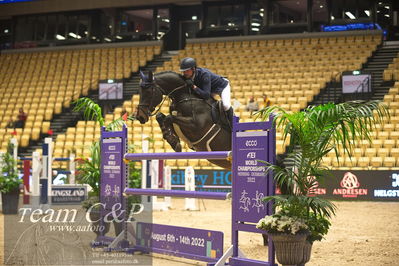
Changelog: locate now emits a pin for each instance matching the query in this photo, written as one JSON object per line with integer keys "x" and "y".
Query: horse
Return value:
{"x": 200, "y": 123}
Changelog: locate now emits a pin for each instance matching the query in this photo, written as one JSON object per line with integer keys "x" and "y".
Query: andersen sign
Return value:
{"x": 340, "y": 184}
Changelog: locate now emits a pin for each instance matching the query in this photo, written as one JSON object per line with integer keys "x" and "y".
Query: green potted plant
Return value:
{"x": 311, "y": 134}
{"x": 9, "y": 182}
{"x": 89, "y": 169}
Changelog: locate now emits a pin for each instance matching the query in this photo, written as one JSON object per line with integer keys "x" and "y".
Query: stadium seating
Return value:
{"x": 42, "y": 83}
{"x": 291, "y": 72}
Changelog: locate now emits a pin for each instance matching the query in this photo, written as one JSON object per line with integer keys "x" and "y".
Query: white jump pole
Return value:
{"x": 189, "y": 185}
{"x": 72, "y": 168}
{"x": 167, "y": 184}
{"x": 36, "y": 170}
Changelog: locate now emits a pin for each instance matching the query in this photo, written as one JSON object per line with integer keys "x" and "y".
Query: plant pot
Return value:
{"x": 10, "y": 201}
{"x": 289, "y": 248}
{"x": 307, "y": 250}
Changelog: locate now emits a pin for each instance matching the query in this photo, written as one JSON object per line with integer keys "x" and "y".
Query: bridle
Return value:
{"x": 163, "y": 92}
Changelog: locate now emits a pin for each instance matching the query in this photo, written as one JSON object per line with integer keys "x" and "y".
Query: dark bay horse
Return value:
{"x": 190, "y": 117}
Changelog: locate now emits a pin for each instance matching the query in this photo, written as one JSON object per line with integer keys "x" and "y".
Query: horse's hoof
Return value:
{"x": 177, "y": 148}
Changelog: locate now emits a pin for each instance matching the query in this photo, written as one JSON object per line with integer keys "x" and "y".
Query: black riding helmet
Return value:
{"x": 187, "y": 63}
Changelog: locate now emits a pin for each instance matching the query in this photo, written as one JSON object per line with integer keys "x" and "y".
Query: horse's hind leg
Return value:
{"x": 168, "y": 132}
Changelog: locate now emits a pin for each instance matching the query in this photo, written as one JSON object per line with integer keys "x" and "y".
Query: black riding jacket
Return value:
{"x": 208, "y": 82}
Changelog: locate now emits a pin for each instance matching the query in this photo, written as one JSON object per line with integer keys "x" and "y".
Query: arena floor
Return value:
{"x": 362, "y": 233}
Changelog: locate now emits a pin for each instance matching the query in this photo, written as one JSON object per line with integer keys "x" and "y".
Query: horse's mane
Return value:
{"x": 169, "y": 75}
{"x": 169, "y": 72}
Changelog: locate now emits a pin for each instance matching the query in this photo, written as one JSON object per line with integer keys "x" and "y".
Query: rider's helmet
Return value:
{"x": 187, "y": 63}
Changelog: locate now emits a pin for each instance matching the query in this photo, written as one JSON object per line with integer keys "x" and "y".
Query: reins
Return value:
{"x": 164, "y": 98}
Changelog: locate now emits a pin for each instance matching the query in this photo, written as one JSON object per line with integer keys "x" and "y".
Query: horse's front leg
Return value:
{"x": 165, "y": 123}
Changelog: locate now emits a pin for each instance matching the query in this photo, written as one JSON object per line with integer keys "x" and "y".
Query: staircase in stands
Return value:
{"x": 376, "y": 64}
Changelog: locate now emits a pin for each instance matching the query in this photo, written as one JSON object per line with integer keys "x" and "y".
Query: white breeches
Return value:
{"x": 225, "y": 95}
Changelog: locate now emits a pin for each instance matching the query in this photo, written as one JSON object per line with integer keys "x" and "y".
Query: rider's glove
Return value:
{"x": 190, "y": 83}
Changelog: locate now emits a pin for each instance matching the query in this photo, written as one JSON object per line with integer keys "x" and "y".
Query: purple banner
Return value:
{"x": 185, "y": 242}
{"x": 251, "y": 182}
{"x": 111, "y": 172}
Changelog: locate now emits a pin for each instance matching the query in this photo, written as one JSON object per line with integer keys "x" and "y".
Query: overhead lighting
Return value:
{"x": 230, "y": 24}
{"x": 387, "y": 15}
{"x": 118, "y": 37}
{"x": 158, "y": 16}
{"x": 110, "y": 81}
{"x": 213, "y": 25}
{"x": 107, "y": 39}
{"x": 255, "y": 24}
{"x": 387, "y": 7}
{"x": 255, "y": 29}
{"x": 94, "y": 37}
{"x": 59, "y": 37}
{"x": 261, "y": 14}
{"x": 332, "y": 17}
{"x": 321, "y": 6}
{"x": 261, "y": 10}
{"x": 73, "y": 35}
{"x": 350, "y": 15}
{"x": 194, "y": 17}
{"x": 86, "y": 32}
{"x": 291, "y": 21}
{"x": 166, "y": 20}
{"x": 6, "y": 31}
{"x": 367, "y": 12}
{"x": 110, "y": 26}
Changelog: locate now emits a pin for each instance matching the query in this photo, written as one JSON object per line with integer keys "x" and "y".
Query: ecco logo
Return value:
{"x": 251, "y": 143}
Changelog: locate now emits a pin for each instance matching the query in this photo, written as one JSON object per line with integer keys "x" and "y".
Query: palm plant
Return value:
{"x": 89, "y": 169}
{"x": 312, "y": 133}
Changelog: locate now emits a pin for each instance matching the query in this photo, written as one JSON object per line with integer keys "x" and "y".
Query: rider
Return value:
{"x": 207, "y": 84}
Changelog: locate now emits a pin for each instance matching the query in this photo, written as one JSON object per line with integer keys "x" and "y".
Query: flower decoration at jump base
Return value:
{"x": 282, "y": 223}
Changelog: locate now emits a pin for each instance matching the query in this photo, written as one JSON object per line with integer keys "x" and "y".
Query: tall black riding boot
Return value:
{"x": 229, "y": 115}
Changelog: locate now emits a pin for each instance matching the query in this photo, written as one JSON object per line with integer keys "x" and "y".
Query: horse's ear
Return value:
{"x": 142, "y": 76}
{"x": 150, "y": 76}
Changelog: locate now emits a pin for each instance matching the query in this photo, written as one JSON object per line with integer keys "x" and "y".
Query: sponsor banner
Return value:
{"x": 339, "y": 184}
{"x": 68, "y": 194}
{"x": 363, "y": 185}
{"x": 205, "y": 180}
{"x": 180, "y": 241}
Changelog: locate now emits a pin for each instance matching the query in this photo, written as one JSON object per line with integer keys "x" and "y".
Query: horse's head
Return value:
{"x": 150, "y": 97}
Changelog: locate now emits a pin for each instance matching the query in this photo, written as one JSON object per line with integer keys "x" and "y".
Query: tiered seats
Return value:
{"x": 291, "y": 72}
{"x": 383, "y": 152}
{"x": 392, "y": 72}
{"x": 42, "y": 83}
